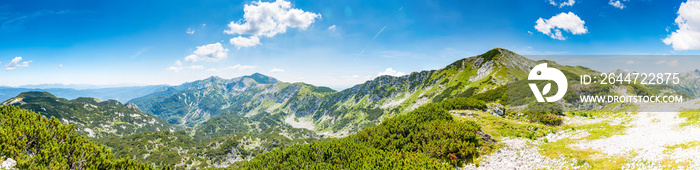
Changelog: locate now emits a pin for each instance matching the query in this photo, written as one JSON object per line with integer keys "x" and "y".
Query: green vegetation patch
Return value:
{"x": 545, "y": 113}
{"x": 692, "y": 118}
{"x": 36, "y": 142}
{"x": 341, "y": 154}
{"x": 594, "y": 159}
{"x": 686, "y": 145}
{"x": 499, "y": 127}
{"x": 425, "y": 138}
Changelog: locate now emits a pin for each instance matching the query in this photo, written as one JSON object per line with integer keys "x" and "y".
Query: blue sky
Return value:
{"x": 330, "y": 43}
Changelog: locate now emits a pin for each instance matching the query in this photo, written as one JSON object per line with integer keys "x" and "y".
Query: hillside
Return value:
{"x": 37, "y": 142}
{"x": 179, "y": 150}
{"x": 425, "y": 138}
{"x": 91, "y": 117}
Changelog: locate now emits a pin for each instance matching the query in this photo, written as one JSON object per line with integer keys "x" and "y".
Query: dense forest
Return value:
{"x": 36, "y": 142}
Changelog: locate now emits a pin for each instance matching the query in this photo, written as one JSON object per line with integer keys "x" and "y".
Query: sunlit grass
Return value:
{"x": 676, "y": 164}
{"x": 692, "y": 118}
{"x": 509, "y": 127}
{"x": 590, "y": 158}
{"x": 500, "y": 128}
{"x": 686, "y": 145}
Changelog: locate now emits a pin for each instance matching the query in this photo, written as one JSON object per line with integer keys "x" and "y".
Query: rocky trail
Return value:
{"x": 651, "y": 140}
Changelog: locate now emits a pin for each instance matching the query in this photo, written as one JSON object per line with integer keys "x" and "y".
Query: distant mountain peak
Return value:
{"x": 258, "y": 74}
{"x": 213, "y": 78}
{"x": 261, "y": 78}
{"x": 495, "y": 53}
{"x": 35, "y": 94}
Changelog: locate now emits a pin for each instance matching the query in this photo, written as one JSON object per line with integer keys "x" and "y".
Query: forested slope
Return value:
{"x": 36, "y": 142}
{"x": 426, "y": 138}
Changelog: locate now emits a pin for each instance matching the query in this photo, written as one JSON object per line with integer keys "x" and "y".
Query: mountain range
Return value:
{"x": 121, "y": 94}
{"x": 219, "y": 122}
{"x": 325, "y": 110}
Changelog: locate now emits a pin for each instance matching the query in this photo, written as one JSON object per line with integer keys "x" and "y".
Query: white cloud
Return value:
{"x": 15, "y": 64}
{"x": 350, "y": 80}
{"x": 269, "y": 19}
{"x": 60, "y": 65}
{"x": 245, "y": 42}
{"x": 390, "y": 71}
{"x": 179, "y": 67}
{"x": 195, "y": 67}
{"x": 190, "y": 31}
{"x": 240, "y": 67}
{"x": 174, "y": 69}
{"x": 191, "y": 58}
{"x": 687, "y": 37}
{"x": 630, "y": 62}
{"x": 563, "y": 3}
{"x": 672, "y": 63}
{"x": 617, "y": 4}
{"x": 568, "y": 22}
{"x": 332, "y": 28}
{"x": 211, "y": 52}
{"x": 277, "y": 70}
{"x": 212, "y": 70}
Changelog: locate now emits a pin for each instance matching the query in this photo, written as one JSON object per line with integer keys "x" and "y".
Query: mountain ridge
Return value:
{"x": 329, "y": 110}
{"x": 228, "y": 122}
{"x": 90, "y": 116}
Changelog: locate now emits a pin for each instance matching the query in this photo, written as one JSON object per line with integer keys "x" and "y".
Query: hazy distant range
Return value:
{"x": 122, "y": 94}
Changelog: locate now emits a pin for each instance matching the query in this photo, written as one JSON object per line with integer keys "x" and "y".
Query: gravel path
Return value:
{"x": 646, "y": 140}
{"x": 649, "y": 133}
{"x": 521, "y": 154}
